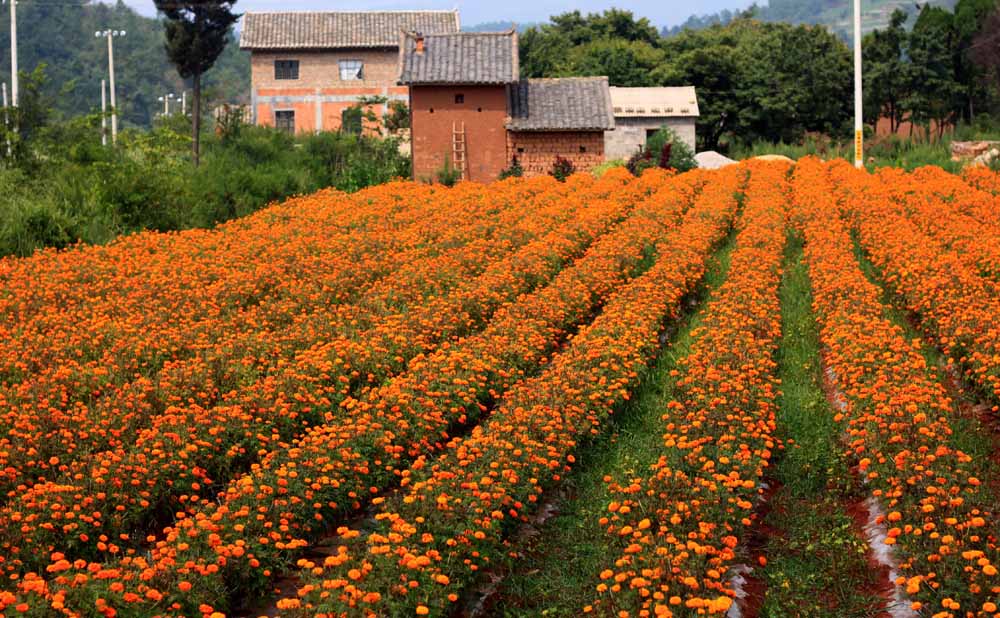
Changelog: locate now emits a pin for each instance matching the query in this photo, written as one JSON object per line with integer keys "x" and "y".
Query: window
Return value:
{"x": 583, "y": 149}
{"x": 351, "y": 70}
{"x": 351, "y": 120}
{"x": 286, "y": 69}
{"x": 285, "y": 121}
{"x": 459, "y": 99}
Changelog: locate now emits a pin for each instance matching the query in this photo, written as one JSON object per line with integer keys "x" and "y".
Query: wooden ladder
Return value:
{"x": 458, "y": 152}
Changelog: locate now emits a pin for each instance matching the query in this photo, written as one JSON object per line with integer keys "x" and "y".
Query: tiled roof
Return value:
{"x": 562, "y": 104}
{"x": 459, "y": 58}
{"x": 339, "y": 29}
{"x": 654, "y": 102}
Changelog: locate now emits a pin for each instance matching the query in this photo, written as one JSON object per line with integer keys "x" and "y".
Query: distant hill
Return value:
{"x": 834, "y": 14}
{"x": 61, "y": 35}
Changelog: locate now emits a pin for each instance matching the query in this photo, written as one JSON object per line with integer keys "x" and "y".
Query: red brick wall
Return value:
{"x": 484, "y": 113}
{"x": 537, "y": 151}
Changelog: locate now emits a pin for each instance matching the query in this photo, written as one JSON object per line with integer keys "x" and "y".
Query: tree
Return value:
{"x": 985, "y": 48}
{"x": 886, "y": 72}
{"x": 196, "y": 31}
{"x": 933, "y": 89}
{"x": 626, "y": 63}
{"x": 970, "y": 16}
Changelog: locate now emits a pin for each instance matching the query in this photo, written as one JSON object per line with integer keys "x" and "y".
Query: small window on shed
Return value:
{"x": 286, "y": 69}
{"x": 583, "y": 148}
{"x": 459, "y": 99}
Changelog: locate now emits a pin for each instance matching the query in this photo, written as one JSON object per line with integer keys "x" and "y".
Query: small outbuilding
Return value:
{"x": 471, "y": 110}
{"x": 640, "y": 112}
{"x": 560, "y": 117}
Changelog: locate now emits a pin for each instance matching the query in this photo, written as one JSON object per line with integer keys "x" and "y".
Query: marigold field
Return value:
{"x": 766, "y": 390}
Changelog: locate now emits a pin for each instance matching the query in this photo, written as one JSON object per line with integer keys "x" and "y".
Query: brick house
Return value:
{"x": 307, "y": 68}
{"x": 640, "y": 112}
{"x": 469, "y": 107}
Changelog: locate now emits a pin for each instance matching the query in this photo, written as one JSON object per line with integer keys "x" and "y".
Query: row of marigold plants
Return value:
{"x": 452, "y": 517}
{"x": 953, "y": 304}
{"x": 108, "y": 387}
{"x": 257, "y": 524}
{"x": 675, "y": 531}
{"x": 187, "y": 451}
{"x": 938, "y": 512}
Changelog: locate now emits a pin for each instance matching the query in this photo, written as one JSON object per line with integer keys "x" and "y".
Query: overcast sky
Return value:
{"x": 660, "y": 12}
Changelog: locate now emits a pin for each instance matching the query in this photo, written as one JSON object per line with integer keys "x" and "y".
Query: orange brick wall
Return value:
{"x": 484, "y": 113}
{"x": 537, "y": 151}
{"x": 319, "y": 84}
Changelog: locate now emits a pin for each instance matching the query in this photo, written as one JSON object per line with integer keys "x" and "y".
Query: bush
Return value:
{"x": 513, "y": 171}
{"x": 562, "y": 169}
{"x": 75, "y": 189}
{"x": 679, "y": 155}
{"x": 448, "y": 175}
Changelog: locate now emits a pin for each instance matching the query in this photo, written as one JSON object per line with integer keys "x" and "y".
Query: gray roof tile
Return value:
{"x": 339, "y": 29}
{"x": 561, "y": 104}
{"x": 459, "y": 58}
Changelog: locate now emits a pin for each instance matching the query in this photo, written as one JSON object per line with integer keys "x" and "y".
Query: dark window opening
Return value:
{"x": 459, "y": 99}
{"x": 285, "y": 121}
{"x": 520, "y": 150}
{"x": 432, "y": 110}
{"x": 583, "y": 149}
{"x": 650, "y": 133}
{"x": 286, "y": 69}
{"x": 350, "y": 120}
{"x": 479, "y": 109}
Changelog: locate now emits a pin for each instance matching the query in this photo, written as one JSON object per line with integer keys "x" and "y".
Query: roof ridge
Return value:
{"x": 460, "y": 33}
{"x": 346, "y": 12}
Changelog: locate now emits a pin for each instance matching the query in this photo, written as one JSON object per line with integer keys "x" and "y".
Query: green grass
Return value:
{"x": 557, "y": 574}
{"x": 879, "y": 152}
{"x": 816, "y": 561}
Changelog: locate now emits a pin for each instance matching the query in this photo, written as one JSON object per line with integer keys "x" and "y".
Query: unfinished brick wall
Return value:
{"x": 319, "y": 97}
{"x": 537, "y": 151}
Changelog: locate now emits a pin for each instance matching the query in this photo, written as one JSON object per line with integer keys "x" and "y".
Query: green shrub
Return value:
{"x": 514, "y": 170}
{"x": 562, "y": 169}
{"x": 681, "y": 157}
{"x": 448, "y": 175}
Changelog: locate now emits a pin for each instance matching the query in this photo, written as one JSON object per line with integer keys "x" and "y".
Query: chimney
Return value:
{"x": 418, "y": 38}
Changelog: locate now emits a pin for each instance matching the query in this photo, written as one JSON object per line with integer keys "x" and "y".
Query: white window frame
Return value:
{"x": 359, "y": 74}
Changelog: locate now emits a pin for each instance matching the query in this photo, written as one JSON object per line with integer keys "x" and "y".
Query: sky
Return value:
{"x": 660, "y": 12}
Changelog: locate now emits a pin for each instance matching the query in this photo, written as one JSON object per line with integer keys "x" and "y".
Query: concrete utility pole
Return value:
{"x": 111, "y": 71}
{"x": 859, "y": 131}
{"x": 104, "y": 113}
{"x": 13, "y": 51}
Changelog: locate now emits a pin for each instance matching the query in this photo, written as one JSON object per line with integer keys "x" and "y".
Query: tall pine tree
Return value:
{"x": 197, "y": 31}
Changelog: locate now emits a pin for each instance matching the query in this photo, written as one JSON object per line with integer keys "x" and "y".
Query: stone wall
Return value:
{"x": 537, "y": 151}
{"x": 630, "y": 134}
